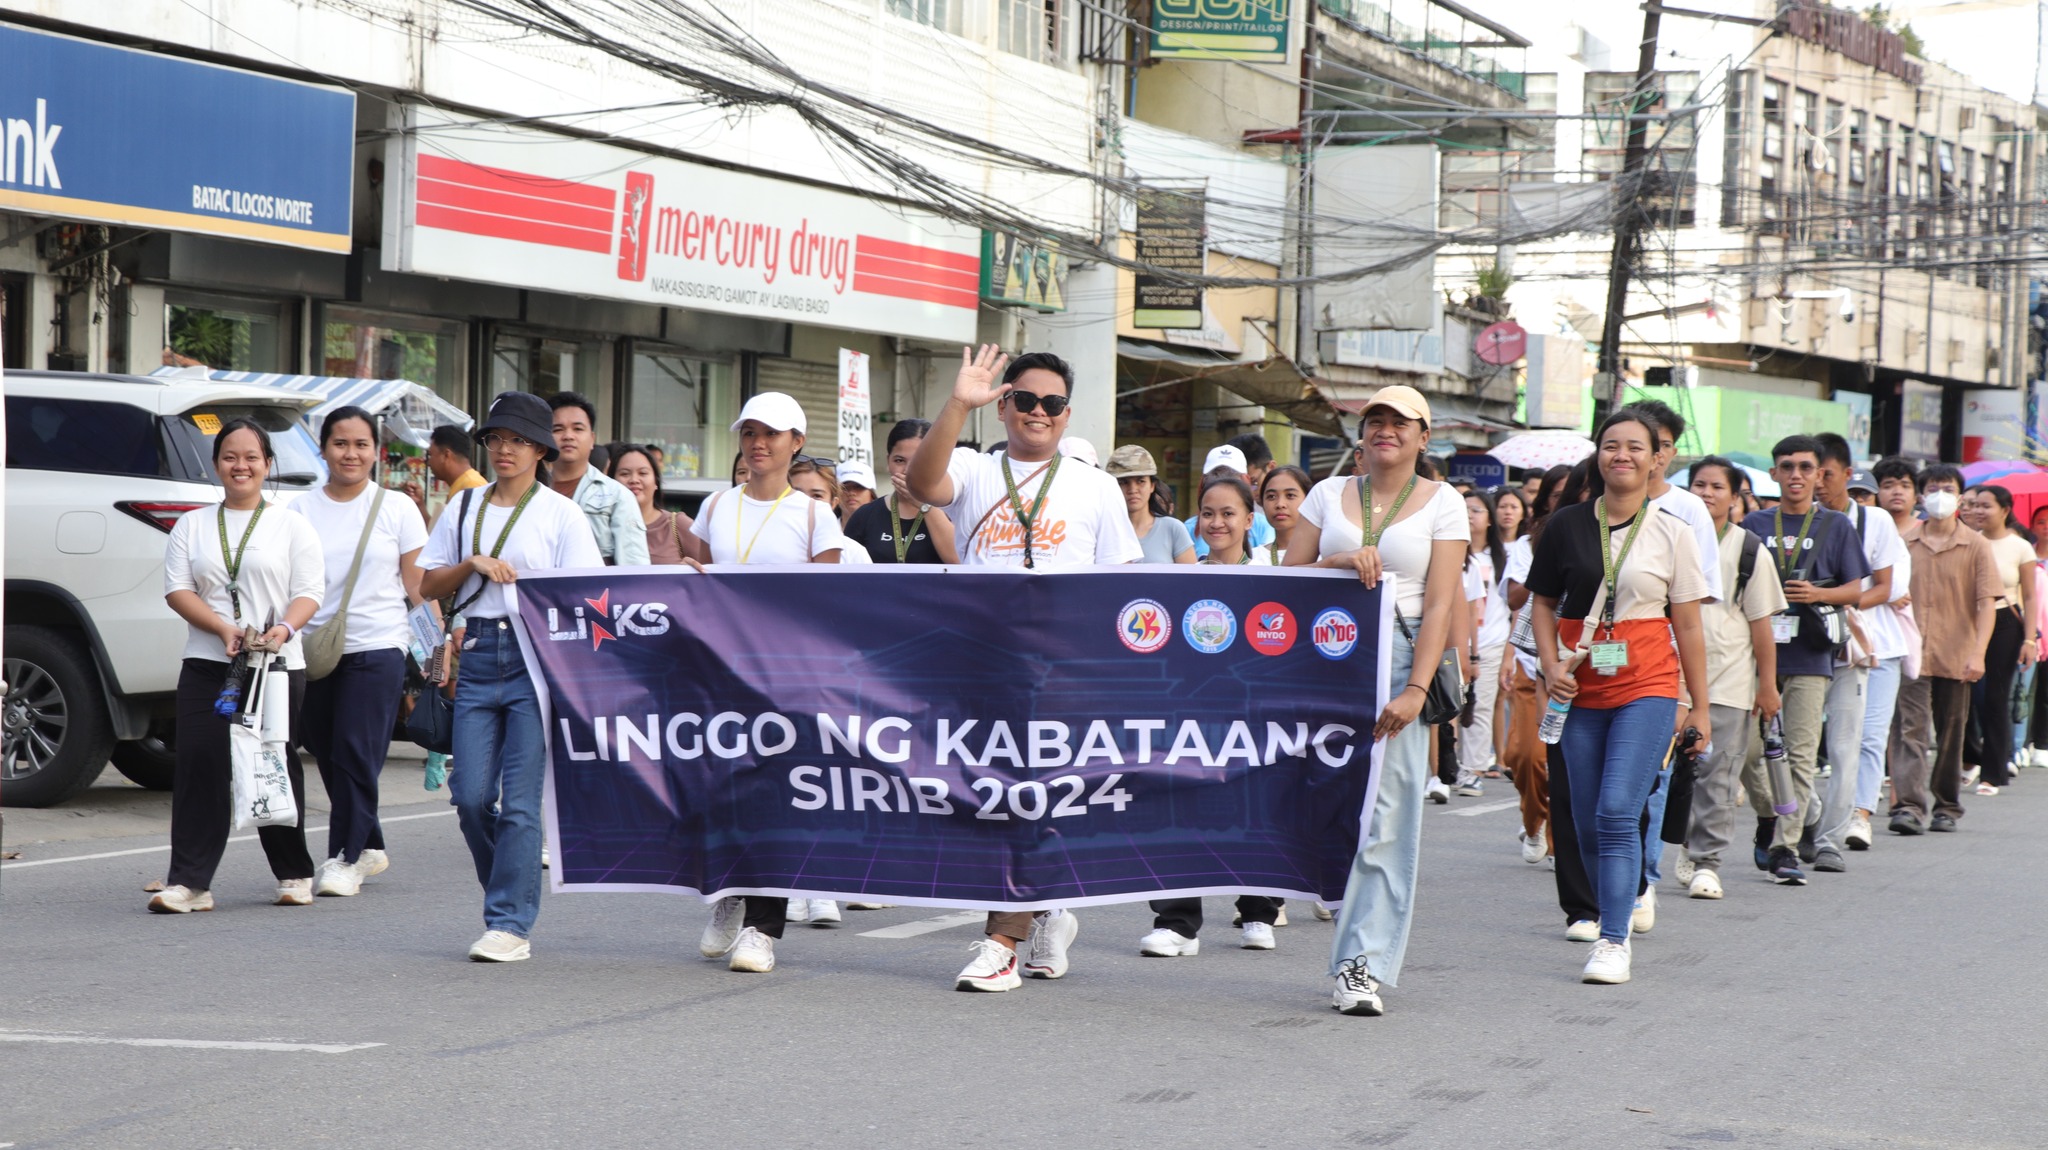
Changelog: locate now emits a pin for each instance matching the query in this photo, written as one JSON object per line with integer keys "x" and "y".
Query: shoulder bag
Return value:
{"x": 1446, "y": 694}
{"x": 431, "y": 725}
{"x": 323, "y": 645}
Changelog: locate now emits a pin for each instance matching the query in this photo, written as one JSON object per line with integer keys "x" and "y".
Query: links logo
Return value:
{"x": 624, "y": 619}
{"x": 1144, "y": 626}
{"x": 1209, "y": 626}
{"x": 1270, "y": 629}
{"x": 1335, "y": 633}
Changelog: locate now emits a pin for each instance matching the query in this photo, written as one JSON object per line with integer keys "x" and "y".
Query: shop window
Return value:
{"x": 941, "y": 14}
{"x": 545, "y": 366}
{"x": 365, "y": 345}
{"x": 1031, "y": 29}
{"x": 684, "y": 406}
{"x": 1774, "y": 120}
{"x": 230, "y": 335}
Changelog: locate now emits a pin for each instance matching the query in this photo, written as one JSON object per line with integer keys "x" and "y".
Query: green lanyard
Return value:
{"x": 233, "y": 559}
{"x": 904, "y": 538}
{"x": 1788, "y": 558}
{"x": 1369, "y": 537}
{"x": 1027, "y": 519}
{"x": 1611, "y": 563}
{"x": 476, "y": 543}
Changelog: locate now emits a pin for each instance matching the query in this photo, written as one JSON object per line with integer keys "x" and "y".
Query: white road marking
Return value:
{"x": 188, "y": 1043}
{"x": 1487, "y": 808}
{"x": 167, "y": 846}
{"x": 927, "y": 925}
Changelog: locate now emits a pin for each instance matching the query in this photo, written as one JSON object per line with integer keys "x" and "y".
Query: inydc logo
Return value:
{"x": 1335, "y": 633}
{"x": 1144, "y": 626}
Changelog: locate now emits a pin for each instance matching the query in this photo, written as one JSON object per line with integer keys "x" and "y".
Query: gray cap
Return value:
{"x": 1861, "y": 480}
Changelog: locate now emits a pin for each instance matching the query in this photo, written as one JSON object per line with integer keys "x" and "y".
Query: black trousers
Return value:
{"x": 347, "y": 724}
{"x": 1183, "y": 916}
{"x": 200, "y": 805}
{"x": 767, "y": 915}
{"x": 1447, "y": 753}
{"x": 1989, "y": 742}
{"x": 1574, "y": 887}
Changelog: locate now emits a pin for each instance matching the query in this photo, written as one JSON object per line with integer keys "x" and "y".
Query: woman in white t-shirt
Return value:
{"x": 1387, "y": 521}
{"x": 1489, "y": 643}
{"x": 766, "y": 522}
{"x": 229, "y": 569}
{"x": 350, "y": 711}
{"x": 485, "y": 539}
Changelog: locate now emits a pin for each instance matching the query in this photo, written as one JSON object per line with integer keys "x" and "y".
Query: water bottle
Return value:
{"x": 1553, "y": 721}
{"x": 1783, "y": 800}
{"x": 277, "y": 702}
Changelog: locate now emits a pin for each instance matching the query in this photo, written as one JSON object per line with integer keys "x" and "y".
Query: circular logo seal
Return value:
{"x": 1334, "y": 633}
{"x": 1144, "y": 626}
{"x": 1209, "y": 626}
{"x": 1270, "y": 629}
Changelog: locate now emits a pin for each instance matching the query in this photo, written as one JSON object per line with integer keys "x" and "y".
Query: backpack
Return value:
{"x": 1745, "y": 566}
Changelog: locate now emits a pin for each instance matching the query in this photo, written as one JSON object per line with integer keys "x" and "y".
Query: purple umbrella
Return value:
{"x": 1986, "y": 470}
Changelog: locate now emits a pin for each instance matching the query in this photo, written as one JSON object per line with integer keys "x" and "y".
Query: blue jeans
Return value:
{"x": 1880, "y": 700}
{"x": 1379, "y": 897}
{"x": 1653, "y": 829}
{"x": 499, "y": 765}
{"x": 1613, "y": 757}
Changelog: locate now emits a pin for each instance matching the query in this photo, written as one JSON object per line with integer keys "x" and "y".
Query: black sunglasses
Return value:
{"x": 1030, "y": 401}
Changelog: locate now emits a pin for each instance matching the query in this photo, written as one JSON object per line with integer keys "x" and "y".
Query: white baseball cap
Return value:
{"x": 1075, "y": 447}
{"x": 1228, "y": 457}
{"x": 854, "y": 471}
{"x": 778, "y": 412}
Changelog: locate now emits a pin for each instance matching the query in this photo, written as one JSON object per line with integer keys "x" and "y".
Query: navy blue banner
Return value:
{"x": 958, "y": 737}
{"x": 125, "y": 136}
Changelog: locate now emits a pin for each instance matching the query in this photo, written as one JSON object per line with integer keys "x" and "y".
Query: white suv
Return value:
{"x": 99, "y": 467}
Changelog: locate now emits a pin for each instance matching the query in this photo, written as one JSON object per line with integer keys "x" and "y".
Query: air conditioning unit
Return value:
{"x": 1955, "y": 351}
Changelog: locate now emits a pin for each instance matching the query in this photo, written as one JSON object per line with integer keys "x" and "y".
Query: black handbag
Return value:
{"x": 1446, "y": 694}
{"x": 431, "y": 726}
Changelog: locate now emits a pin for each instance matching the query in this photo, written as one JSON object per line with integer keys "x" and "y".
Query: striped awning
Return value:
{"x": 408, "y": 410}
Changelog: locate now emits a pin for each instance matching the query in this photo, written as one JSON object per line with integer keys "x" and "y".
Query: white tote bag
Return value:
{"x": 259, "y": 787}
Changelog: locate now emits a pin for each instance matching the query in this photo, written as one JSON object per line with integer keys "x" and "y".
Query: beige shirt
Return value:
{"x": 1731, "y": 658}
{"x": 1952, "y": 574}
{"x": 2015, "y": 562}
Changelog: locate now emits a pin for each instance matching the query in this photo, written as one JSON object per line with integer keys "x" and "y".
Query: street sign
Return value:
{"x": 1481, "y": 470}
{"x": 1501, "y": 343}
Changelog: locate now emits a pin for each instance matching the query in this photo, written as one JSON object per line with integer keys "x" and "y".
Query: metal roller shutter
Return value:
{"x": 816, "y": 387}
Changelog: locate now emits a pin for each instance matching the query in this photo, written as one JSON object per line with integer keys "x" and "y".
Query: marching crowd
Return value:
{"x": 1633, "y": 655}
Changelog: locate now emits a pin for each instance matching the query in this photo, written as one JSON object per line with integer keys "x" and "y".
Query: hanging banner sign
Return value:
{"x": 1173, "y": 236}
{"x": 856, "y": 431}
{"x": 1220, "y": 29}
{"x": 1021, "y": 273}
{"x": 968, "y": 738}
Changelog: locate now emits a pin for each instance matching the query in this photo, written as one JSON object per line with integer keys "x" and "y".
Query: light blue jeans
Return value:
{"x": 1379, "y": 897}
{"x": 1614, "y": 756}
{"x": 496, "y": 783}
{"x": 1880, "y": 699}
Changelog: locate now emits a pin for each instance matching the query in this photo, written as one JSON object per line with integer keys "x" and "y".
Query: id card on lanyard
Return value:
{"x": 1609, "y": 655}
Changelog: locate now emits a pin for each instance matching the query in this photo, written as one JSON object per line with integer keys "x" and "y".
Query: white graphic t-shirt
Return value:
{"x": 1083, "y": 522}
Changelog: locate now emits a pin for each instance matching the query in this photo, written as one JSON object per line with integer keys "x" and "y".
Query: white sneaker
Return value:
{"x": 1971, "y": 776}
{"x": 545, "y": 861}
{"x": 871, "y": 906}
{"x": 1705, "y": 884}
{"x": 372, "y": 863}
{"x": 338, "y": 878}
{"x": 799, "y": 910}
{"x": 824, "y": 912}
{"x": 993, "y": 968}
{"x": 500, "y": 946}
{"x": 724, "y": 928}
{"x": 1164, "y": 943}
{"x": 1257, "y": 936}
{"x": 1436, "y": 791}
{"x": 1279, "y": 916}
{"x": 753, "y": 953}
{"x": 1534, "y": 847}
{"x": 1857, "y": 837}
{"x": 1584, "y": 930}
{"x": 1683, "y": 869}
{"x": 180, "y": 900}
{"x": 1645, "y": 917}
{"x": 295, "y": 892}
{"x": 1051, "y": 934}
{"x": 1323, "y": 913}
{"x": 1357, "y": 991}
{"x": 1608, "y": 964}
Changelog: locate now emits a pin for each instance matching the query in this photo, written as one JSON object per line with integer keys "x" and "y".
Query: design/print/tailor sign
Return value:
{"x": 93, "y": 132}
{"x": 518, "y": 206}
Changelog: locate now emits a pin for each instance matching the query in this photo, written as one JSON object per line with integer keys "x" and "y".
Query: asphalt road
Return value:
{"x": 1893, "y": 1006}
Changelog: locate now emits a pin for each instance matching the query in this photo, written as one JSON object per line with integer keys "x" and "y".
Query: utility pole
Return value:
{"x": 1628, "y": 223}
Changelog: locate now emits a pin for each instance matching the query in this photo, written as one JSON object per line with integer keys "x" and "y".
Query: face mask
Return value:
{"x": 1941, "y": 504}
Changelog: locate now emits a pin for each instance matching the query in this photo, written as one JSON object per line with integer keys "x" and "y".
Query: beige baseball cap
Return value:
{"x": 1130, "y": 462}
{"x": 1401, "y": 398}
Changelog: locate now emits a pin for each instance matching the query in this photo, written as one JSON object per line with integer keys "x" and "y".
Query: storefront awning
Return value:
{"x": 1275, "y": 383}
{"x": 410, "y": 411}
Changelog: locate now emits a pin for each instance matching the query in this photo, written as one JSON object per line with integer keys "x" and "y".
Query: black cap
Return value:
{"x": 526, "y": 416}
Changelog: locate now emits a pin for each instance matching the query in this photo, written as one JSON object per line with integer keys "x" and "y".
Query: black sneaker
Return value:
{"x": 1765, "y": 830}
{"x": 1809, "y": 850}
{"x": 1829, "y": 859}
{"x": 1785, "y": 867}
{"x": 1907, "y": 823}
{"x": 1941, "y": 822}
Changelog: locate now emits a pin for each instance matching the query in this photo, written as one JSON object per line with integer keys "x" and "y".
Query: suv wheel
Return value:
{"x": 55, "y": 733}
{"x": 150, "y": 761}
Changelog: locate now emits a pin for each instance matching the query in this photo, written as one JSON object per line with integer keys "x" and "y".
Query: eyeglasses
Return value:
{"x": 1030, "y": 401}
{"x": 496, "y": 442}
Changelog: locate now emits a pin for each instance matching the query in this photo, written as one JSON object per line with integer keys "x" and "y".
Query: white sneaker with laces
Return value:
{"x": 338, "y": 878}
{"x": 1357, "y": 991}
{"x": 1164, "y": 943}
{"x": 799, "y": 910}
{"x": 180, "y": 900}
{"x": 723, "y": 930}
{"x": 1535, "y": 847}
{"x": 1051, "y": 934}
{"x": 993, "y": 968}
{"x": 1257, "y": 936}
{"x": 1857, "y": 837}
{"x": 1645, "y": 917}
{"x": 1608, "y": 964}
{"x": 295, "y": 892}
{"x": 824, "y": 912}
{"x": 1584, "y": 930}
{"x": 871, "y": 906}
{"x": 753, "y": 953}
{"x": 372, "y": 863}
{"x": 1436, "y": 791}
{"x": 500, "y": 946}
{"x": 1705, "y": 884}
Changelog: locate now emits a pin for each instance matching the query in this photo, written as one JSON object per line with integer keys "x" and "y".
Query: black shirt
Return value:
{"x": 875, "y": 528}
